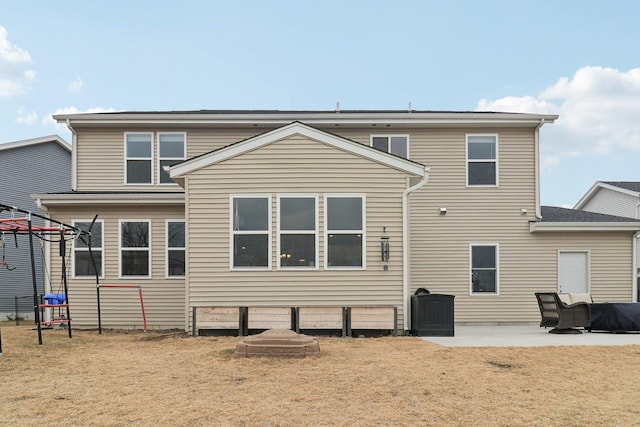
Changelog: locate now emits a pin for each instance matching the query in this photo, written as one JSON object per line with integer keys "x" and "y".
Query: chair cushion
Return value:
{"x": 584, "y": 297}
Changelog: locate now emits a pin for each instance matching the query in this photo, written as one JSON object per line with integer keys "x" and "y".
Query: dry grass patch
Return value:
{"x": 169, "y": 378}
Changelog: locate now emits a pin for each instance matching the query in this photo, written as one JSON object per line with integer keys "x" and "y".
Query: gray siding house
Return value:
{"x": 27, "y": 167}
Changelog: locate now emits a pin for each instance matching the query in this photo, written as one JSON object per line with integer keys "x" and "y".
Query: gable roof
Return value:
{"x": 564, "y": 219}
{"x": 297, "y": 128}
{"x": 631, "y": 188}
{"x": 35, "y": 141}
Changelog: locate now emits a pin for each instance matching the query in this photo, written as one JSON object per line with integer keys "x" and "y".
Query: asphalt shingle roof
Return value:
{"x": 627, "y": 185}
{"x": 556, "y": 214}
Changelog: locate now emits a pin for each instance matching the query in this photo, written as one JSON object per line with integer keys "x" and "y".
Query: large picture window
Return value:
{"x": 82, "y": 265}
{"x": 482, "y": 160}
{"x": 251, "y": 231}
{"x": 484, "y": 269}
{"x": 175, "y": 248}
{"x": 394, "y": 144}
{"x": 344, "y": 235}
{"x": 139, "y": 158}
{"x": 135, "y": 248}
{"x": 171, "y": 150}
{"x": 297, "y": 232}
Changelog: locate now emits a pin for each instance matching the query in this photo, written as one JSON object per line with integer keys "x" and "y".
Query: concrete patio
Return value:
{"x": 529, "y": 336}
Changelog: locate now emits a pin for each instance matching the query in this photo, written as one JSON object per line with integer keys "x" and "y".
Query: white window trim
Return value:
{"x": 126, "y": 158}
{"x": 120, "y": 248}
{"x": 569, "y": 250}
{"x": 363, "y": 231}
{"x": 490, "y": 294}
{"x": 167, "y": 249}
{"x": 232, "y": 232}
{"x": 158, "y": 163}
{"x": 389, "y": 136}
{"x": 315, "y": 232}
{"x": 496, "y": 160}
{"x": 73, "y": 263}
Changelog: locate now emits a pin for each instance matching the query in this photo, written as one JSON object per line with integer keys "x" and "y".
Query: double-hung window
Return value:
{"x": 175, "y": 248}
{"x": 139, "y": 158}
{"x": 171, "y": 150}
{"x": 82, "y": 264}
{"x": 297, "y": 227}
{"x": 250, "y": 232}
{"x": 484, "y": 269}
{"x": 482, "y": 160}
{"x": 394, "y": 144}
{"x": 135, "y": 248}
{"x": 344, "y": 231}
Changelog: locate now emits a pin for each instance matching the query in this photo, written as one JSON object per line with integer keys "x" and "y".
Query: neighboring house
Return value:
{"x": 621, "y": 198}
{"x": 277, "y": 208}
{"x": 27, "y": 167}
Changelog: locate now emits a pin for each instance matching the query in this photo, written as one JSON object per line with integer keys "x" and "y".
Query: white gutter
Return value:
{"x": 74, "y": 157}
{"x": 634, "y": 284}
{"x": 405, "y": 246}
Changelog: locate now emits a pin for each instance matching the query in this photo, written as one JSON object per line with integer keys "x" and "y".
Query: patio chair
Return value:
{"x": 563, "y": 318}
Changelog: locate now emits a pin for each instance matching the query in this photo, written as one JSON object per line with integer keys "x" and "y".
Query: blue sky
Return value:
{"x": 578, "y": 59}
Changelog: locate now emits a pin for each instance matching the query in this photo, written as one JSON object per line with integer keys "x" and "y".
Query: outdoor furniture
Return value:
{"x": 615, "y": 316}
{"x": 562, "y": 317}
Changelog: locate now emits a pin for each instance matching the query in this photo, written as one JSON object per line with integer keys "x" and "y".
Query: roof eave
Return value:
{"x": 539, "y": 226}
{"x": 35, "y": 141}
{"x": 110, "y": 199}
{"x": 313, "y": 118}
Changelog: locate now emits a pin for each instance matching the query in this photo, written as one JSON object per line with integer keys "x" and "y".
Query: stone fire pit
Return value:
{"x": 280, "y": 343}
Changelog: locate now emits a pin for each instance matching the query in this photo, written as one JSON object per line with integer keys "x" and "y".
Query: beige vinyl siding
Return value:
{"x": 101, "y": 155}
{"x": 164, "y": 298}
{"x": 294, "y": 165}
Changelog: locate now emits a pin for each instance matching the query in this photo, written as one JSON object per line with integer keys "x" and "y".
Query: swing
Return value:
{"x": 4, "y": 257}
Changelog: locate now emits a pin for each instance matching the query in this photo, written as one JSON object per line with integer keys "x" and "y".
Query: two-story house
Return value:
{"x": 295, "y": 208}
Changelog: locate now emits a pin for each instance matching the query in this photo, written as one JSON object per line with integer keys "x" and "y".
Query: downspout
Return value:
{"x": 405, "y": 246}
{"x": 74, "y": 157}
{"x": 536, "y": 138}
{"x": 634, "y": 284}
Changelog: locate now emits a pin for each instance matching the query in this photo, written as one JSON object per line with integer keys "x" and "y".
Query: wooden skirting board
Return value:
{"x": 305, "y": 318}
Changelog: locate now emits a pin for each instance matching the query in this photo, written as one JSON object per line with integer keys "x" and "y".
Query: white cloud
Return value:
{"x": 26, "y": 118}
{"x": 76, "y": 85}
{"x": 62, "y": 128}
{"x": 13, "y": 80}
{"x": 599, "y": 111}
{"x": 9, "y": 52}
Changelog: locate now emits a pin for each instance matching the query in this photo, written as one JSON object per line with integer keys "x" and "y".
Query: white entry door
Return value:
{"x": 573, "y": 271}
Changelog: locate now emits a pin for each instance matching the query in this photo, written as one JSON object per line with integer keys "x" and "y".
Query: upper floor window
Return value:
{"x": 135, "y": 248}
{"x": 82, "y": 264}
{"x": 394, "y": 144}
{"x": 484, "y": 269}
{"x": 171, "y": 150}
{"x": 344, "y": 231}
{"x": 251, "y": 231}
{"x": 482, "y": 160}
{"x": 139, "y": 158}
{"x": 175, "y": 248}
{"x": 297, "y": 232}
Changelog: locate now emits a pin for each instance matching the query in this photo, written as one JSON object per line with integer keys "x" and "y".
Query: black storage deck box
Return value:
{"x": 432, "y": 315}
